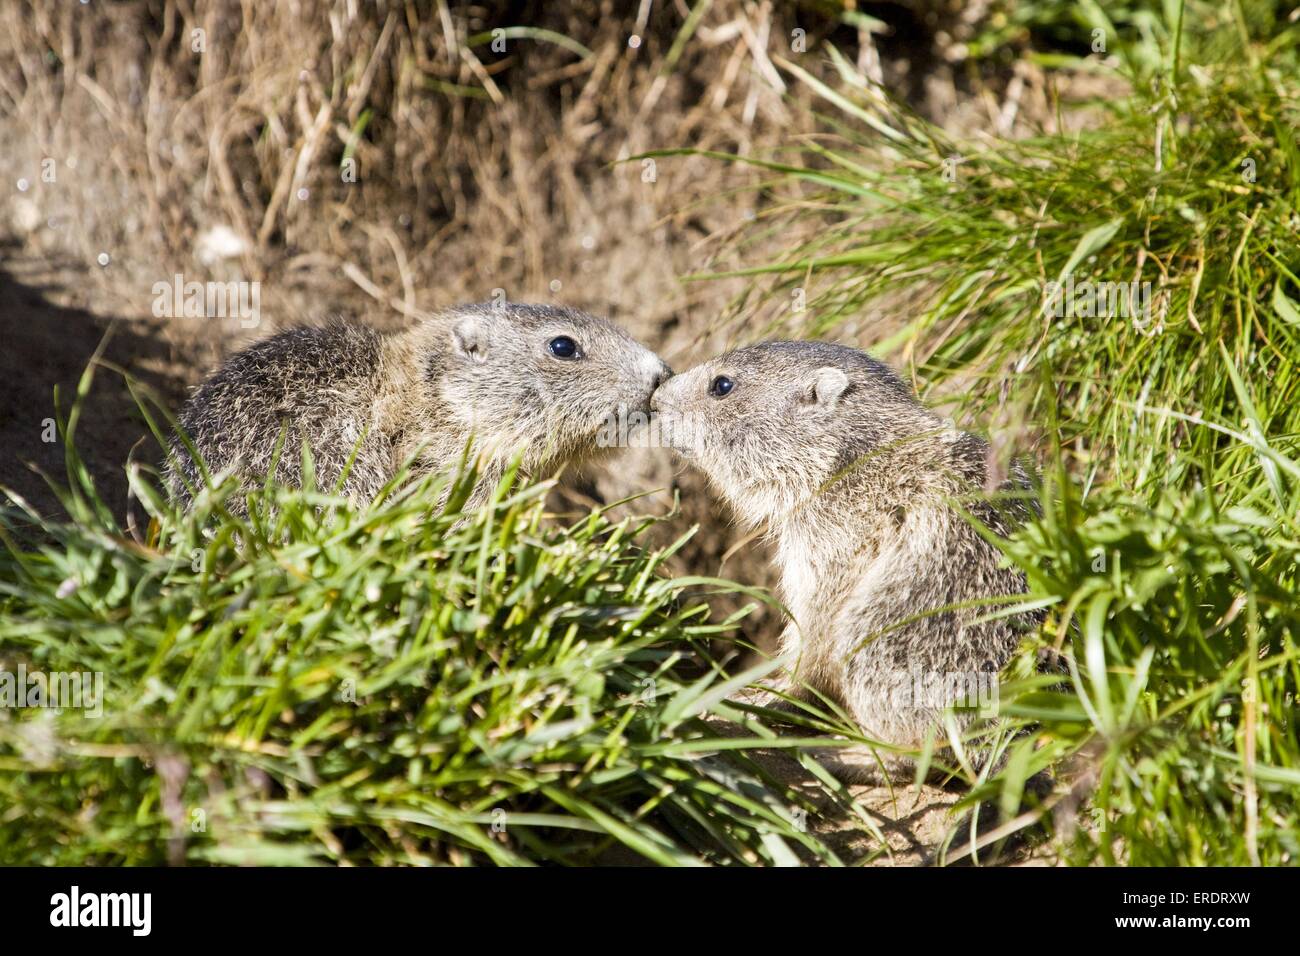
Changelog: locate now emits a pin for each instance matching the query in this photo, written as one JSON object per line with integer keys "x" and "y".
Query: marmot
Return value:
{"x": 860, "y": 487}
{"x": 532, "y": 379}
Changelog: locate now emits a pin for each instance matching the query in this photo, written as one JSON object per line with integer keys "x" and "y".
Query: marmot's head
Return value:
{"x": 772, "y": 424}
{"x": 546, "y": 380}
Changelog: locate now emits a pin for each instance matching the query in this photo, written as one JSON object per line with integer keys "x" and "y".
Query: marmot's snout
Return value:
{"x": 656, "y": 398}
{"x": 679, "y": 430}
{"x": 639, "y": 388}
{"x": 660, "y": 373}
{"x": 654, "y": 372}
{"x": 662, "y": 398}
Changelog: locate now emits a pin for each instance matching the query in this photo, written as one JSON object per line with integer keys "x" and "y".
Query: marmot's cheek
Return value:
{"x": 688, "y": 435}
{"x": 669, "y": 427}
{"x": 639, "y": 398}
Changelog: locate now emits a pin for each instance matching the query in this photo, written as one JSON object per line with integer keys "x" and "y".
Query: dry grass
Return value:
{"x": 474, "y": 170}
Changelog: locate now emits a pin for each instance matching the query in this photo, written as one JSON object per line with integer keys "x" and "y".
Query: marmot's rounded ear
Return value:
{"x": 828, "y": 384}
{"x": 469, "y": 337}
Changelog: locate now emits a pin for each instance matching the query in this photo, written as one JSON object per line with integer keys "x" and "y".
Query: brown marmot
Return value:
{"x": 532, "y": 379}
{"x": 861, "y": 488}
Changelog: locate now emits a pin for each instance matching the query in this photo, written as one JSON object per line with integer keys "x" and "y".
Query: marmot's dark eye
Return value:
{"x": 721, "y": 386}
{"x": 563, "y": 347}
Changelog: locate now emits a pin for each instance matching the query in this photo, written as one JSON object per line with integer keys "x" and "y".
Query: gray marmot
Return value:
{"x": 860, "y": 487}
{"x": 535, "y": 379}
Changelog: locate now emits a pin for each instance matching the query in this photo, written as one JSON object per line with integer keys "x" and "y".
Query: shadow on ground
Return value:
{"x": 46, "y": 345}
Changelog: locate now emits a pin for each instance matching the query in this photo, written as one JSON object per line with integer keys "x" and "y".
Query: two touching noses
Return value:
{"x": 660, "y": 373}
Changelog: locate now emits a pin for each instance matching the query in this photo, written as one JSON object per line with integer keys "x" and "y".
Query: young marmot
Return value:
{"x": 534, "y": 379}
{"x": 860, "y": 487}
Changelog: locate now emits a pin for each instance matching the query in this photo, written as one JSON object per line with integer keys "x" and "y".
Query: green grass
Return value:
{"x": 1181, "y": 722}
{"x": 1168, "y": 551}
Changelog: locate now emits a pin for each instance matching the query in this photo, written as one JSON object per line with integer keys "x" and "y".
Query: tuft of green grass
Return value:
{"x": 1180, "y": 716}
{"x": 1193, "y": 192}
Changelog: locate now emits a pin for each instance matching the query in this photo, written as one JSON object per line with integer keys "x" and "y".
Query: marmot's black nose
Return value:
{"x": 663, "y": 375}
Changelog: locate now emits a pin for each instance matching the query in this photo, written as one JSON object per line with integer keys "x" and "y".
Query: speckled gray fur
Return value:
{"x": 856, "y": 483}
{"x": 477, "y": 370}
